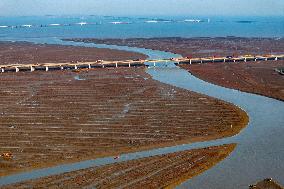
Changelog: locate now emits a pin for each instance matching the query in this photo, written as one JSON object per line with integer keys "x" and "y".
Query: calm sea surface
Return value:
{"x": 125, "y": 27}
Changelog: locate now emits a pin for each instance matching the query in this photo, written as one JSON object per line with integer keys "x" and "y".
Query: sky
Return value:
{"x": 142, "y": 7}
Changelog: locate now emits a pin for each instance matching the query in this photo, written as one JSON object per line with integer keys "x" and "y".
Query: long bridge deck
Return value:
{"x": 131, "y": 63}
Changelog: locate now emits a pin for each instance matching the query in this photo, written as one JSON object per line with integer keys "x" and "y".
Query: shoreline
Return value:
{"x": 198, "y": 46}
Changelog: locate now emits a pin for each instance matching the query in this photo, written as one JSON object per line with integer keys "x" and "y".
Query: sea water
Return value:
{"x": 129, "y": 27}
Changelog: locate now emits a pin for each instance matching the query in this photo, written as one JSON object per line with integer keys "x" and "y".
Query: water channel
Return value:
{"x": 260, "y": 148}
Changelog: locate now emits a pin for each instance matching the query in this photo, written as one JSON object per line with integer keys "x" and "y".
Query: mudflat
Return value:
{"x": 253, "y": 77}
{"x": 27, "y": 53}
{"x": 163, "y": 171}
{"x": 268, "y": 183}
{"x": 49, "y": 118}
{"x": 200, "y": 46}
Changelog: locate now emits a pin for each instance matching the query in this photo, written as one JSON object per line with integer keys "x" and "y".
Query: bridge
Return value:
{"x": 131, "y": 63}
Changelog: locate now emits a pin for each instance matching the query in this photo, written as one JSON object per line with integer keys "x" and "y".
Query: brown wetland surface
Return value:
{"x": 48, "y": 118}
{"x": 163, "y": 171}
{"x": 29, "y": 53}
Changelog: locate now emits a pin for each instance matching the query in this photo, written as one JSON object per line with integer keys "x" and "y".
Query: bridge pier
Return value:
{"x": 130, "y": 63}
{"x": 32, "y": 69}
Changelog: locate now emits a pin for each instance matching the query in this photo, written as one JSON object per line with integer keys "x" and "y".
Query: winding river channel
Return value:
{"x": 260, "y": 146}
